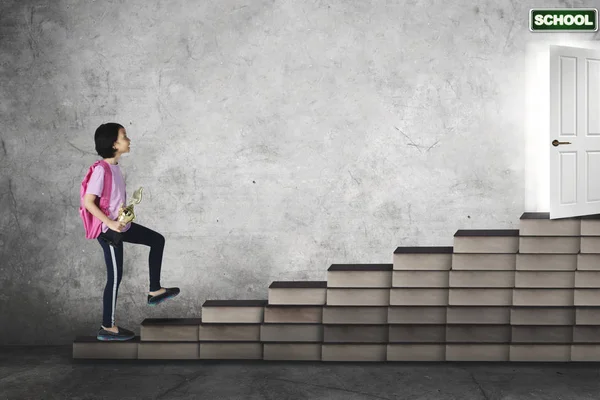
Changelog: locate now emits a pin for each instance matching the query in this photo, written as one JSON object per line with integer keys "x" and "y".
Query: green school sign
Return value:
{"x": 563, "y": 20}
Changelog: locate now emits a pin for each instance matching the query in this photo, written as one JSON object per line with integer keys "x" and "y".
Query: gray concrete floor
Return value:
{"x": 49, "y": 372}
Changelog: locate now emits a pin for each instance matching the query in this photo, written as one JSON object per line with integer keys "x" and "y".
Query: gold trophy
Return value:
{"x": 126, "y": 214}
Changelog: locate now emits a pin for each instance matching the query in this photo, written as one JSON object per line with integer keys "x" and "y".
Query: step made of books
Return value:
{"x": 540, "y": 224}
{"x": 546, "y": 262}
{"x": 477, "y": 352}
{"x": 356, "y": 333}
{"x": 291, "y": 333}
{"x": 420, "y": 278}
{"x": 590, "y": 225}
{"x": 478, "y": 315}
{"x": 540, "y": 352}
{"x": 417, "y": 333}
{"x": 543, "y": 297}
{"x": 587, "y": 297}
{"x": 359, "y": 275}
{"x": 298, "y": 292}
{"x": 542, "y": 315}
{"x": 587, "y": 315}
{"x": 487, "y": 262}
{"x": 478, "y": 333}
{"x": 416, "y": 352}
{"x": 231, "y": 350}
{"x": 545, "y": 279}
{"x": 417, "y": 315}
{"x": 170, "y": 329}
{"x": 588, "y": 262}
{"x": 230, "y": 332}
{"x": 354, "y": 352}
{"x": 292, "y": 351}
{"x": 542, "y": 334}
{"x": 586, "y": 334}
{"x": 293, "y": 314}
{"x": 88, "y": 347}
{"x": 480, "y": 296}
{"x": 358, "y": 297}
{"x": 549, "y": 244}
{"x": 482, "y": 279}
{"x": 590, "y": 244}
{"x": 355, "y": 315}
{"x": 585, "y": 352}
{"x": 423, "y": 258}
{"x": 418, "y": 297}
{"x": 486, "y": 241}
{"x": 233, "y": 311}
{"x": 587, "y": 279}
{"x": 168, "y": 350}
{"x": 192, "y": 330}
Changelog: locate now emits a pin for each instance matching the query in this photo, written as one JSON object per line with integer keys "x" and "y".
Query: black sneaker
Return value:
{"x": 159, "y": 298}
{"x": 122, "y": 335}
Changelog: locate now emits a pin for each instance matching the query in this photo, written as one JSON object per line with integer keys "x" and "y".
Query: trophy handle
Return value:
{"x": 136, "y": 198}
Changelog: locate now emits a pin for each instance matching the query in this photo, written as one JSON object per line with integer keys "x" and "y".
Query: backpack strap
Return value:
{"x": 106, "y": 187}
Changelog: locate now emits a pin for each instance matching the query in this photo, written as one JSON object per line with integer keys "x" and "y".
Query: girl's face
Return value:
{"x": 122, "y": 145}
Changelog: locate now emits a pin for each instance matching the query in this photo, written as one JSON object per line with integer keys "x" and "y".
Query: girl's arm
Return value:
{"x": 90, "y": 205}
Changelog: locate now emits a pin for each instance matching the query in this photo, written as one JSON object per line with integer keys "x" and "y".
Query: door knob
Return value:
{"x": 556, "y": 143}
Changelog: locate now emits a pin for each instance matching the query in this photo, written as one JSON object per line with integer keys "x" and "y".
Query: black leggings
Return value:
{"x": 114, "y": 265}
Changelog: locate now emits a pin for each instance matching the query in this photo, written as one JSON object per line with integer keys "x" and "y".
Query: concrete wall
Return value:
{"x": 272, "y": 138}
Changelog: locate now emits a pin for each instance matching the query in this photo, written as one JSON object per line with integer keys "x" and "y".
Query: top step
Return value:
{"x": 546, "y": 215}
{"x": 540, "y": 225}
{"x": 535, "y": 215}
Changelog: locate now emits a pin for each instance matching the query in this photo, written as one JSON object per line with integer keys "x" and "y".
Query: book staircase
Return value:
{"x": 527, "y": 294}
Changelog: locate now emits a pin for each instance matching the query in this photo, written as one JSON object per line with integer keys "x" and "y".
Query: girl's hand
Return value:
{"x": 115, "y": 226}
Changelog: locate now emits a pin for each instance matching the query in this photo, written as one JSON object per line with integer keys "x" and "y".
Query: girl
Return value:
{"x": 112, "y": 142}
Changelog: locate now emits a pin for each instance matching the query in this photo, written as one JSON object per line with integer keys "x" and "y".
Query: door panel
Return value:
{"x": 575, "y": 124}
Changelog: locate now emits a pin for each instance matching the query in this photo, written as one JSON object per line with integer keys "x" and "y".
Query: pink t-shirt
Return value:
{"x": 118, "y": 195}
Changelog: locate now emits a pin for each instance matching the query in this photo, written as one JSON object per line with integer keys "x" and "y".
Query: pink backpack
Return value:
{"x": 92, "y": 225}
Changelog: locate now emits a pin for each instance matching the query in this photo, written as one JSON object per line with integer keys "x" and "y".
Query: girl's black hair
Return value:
{"x": 106, "y": 135}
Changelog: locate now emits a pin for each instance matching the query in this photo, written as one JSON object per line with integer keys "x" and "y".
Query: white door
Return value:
{"x": 575, "y": 125}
